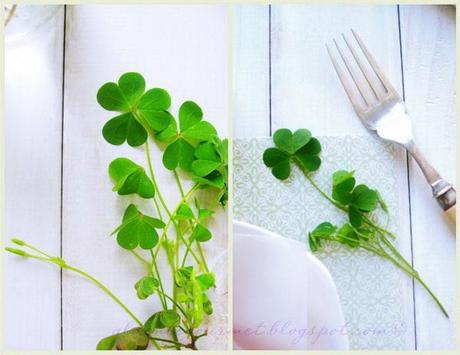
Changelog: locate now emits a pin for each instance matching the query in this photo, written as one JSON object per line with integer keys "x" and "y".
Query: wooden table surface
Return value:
{"x": 57, "y": 191}
{"x": 282, "y": 77}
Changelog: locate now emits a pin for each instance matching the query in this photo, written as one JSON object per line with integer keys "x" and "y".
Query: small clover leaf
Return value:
{"x": 359, "y": 198}
{"x": 347, "y": 235}
{"x": 124, "y": 128}
{"x": 364, "y": 198}
{"x": 191, "y": 125}
{"x": 146, "y": 287}
{"x": 200, "y": 233}
{"x": 180, "y": 152}
{"x": 130, "y": 178}
{"x": 133, "y": 339}
{"x": 299, "y": 146}
{"x": 324, "y": 229}
{"x": 206, "y": 280}
{"x": 184, "y": 212}
{"x": 182, "y": 275}
{"x": 278, "y": 161}
{"x": 138, "y": 229}
{"x": 290, "y": 142}
{"x": 308, "y": 155}
{"x": 207, "y": 305}
{"x": 160, "y": 320}
{"x": 137, "y": 108}
{"x": 343, "y": 183}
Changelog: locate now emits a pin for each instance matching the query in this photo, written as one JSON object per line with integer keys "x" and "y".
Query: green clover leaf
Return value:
{"x": 138, "y": 109}
{"x": 348, "y": 236}
{"x": 146, "y": 287}
{"x": 299, "y": 146}
{"x": 184, "y": 212}
{"x": 324, "y": 229}
{"x": 130, "y": 178}
{"x": 290, "y": 142}
{"x": 163, "y": 319}
{"x": 211, "y": 165}
{"x": 206, "y": 280}
{"x": 359, "y": 199}
{"x": 343, "y": 183}
{"x": 133, "y": 339}
{"x": 180, "y": 152}
{"x": 138, "y": 229}
{"x": 200, "y": 233}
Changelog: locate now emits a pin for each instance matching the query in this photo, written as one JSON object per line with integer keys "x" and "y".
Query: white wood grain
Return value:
{"x": 180, "y": 48}
{"x": 251, "y": 101}
{"x": 428, "y": 46}
{"x": 33, "y": 99}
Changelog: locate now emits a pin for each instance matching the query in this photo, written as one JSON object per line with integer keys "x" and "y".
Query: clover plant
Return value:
{"x": 191, "y": 145}
{"x": 358, "y": 201}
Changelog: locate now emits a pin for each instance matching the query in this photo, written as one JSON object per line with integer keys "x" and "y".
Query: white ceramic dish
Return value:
{"x": 284, "y": 298}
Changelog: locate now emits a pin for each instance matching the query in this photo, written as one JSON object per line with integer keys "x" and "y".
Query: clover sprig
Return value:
{"x": 358, "y": 201}
{"x": 192, "y": 145}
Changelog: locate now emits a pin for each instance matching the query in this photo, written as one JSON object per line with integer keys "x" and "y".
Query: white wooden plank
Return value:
{"x": 428, "y": 43}
{"x": 251, "y": 101}
{"x": 307, "y": 93}
{"x": 33, "y": 98}
{"x": 180, "y": 48}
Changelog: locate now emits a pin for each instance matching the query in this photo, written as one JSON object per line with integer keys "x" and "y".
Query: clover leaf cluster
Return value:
{"x": 192, "y": 150}
{"x": 290, "y": 147}
{"x": 358, "y": 201}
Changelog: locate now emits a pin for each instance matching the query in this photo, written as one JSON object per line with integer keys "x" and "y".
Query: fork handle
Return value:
{"x": 443, "y": 192}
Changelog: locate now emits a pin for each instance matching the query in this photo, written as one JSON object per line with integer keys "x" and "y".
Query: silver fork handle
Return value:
{"x": 443, "y": 191}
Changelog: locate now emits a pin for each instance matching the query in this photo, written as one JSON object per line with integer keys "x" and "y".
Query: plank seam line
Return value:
{"x": 270, "y": 68}
{"x": 408, "y": 181}
{"x": 62, "y": 172}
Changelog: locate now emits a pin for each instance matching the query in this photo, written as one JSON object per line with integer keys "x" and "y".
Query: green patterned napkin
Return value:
{"x": 374, "y": 294}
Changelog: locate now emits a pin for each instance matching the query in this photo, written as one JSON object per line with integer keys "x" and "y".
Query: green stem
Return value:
{"x": 89, "y": 277}
{"x": 37, "y": 250}
{"x": 189, "y": 249}
{"x": 154, "y": 266}
{"x": 203, "y": 259}
{"x": 168, "y": 341}
{"x": 377, "y": 227}
{"x": 177, "y": 304}
{"x": 152, "y": 176}
{"x": 171, "y": 219}
{"x": 181, "y": 189}
{"x": 106, "y": 290}
{"x": 396, "y": 253}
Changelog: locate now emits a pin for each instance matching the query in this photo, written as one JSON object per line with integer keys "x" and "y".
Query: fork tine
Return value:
{"x": 386, "y": 84}
{"x": 345, "y": 82}
{"x": 359, "y": 83}
{"x": 372, "y": 83}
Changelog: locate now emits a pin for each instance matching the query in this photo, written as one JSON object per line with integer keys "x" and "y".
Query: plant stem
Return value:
{"x": 168, "y": 341}
{"x": 177, "y": 304}
{"x": 106, "y": 290}
{"x": 171, "y": 219}
{"x": 203, "y": 259}
{"x": 181, "y": 189}
{"x": 154, "y": 266}
{"x": 152, "y": 176}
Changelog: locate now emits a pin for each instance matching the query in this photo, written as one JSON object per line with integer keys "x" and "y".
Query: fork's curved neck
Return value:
{"x": 431, "y": 174}
{"x": 443, "y": 191}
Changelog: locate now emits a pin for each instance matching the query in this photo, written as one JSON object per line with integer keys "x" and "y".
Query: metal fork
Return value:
{"x": 382, "y": 110}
